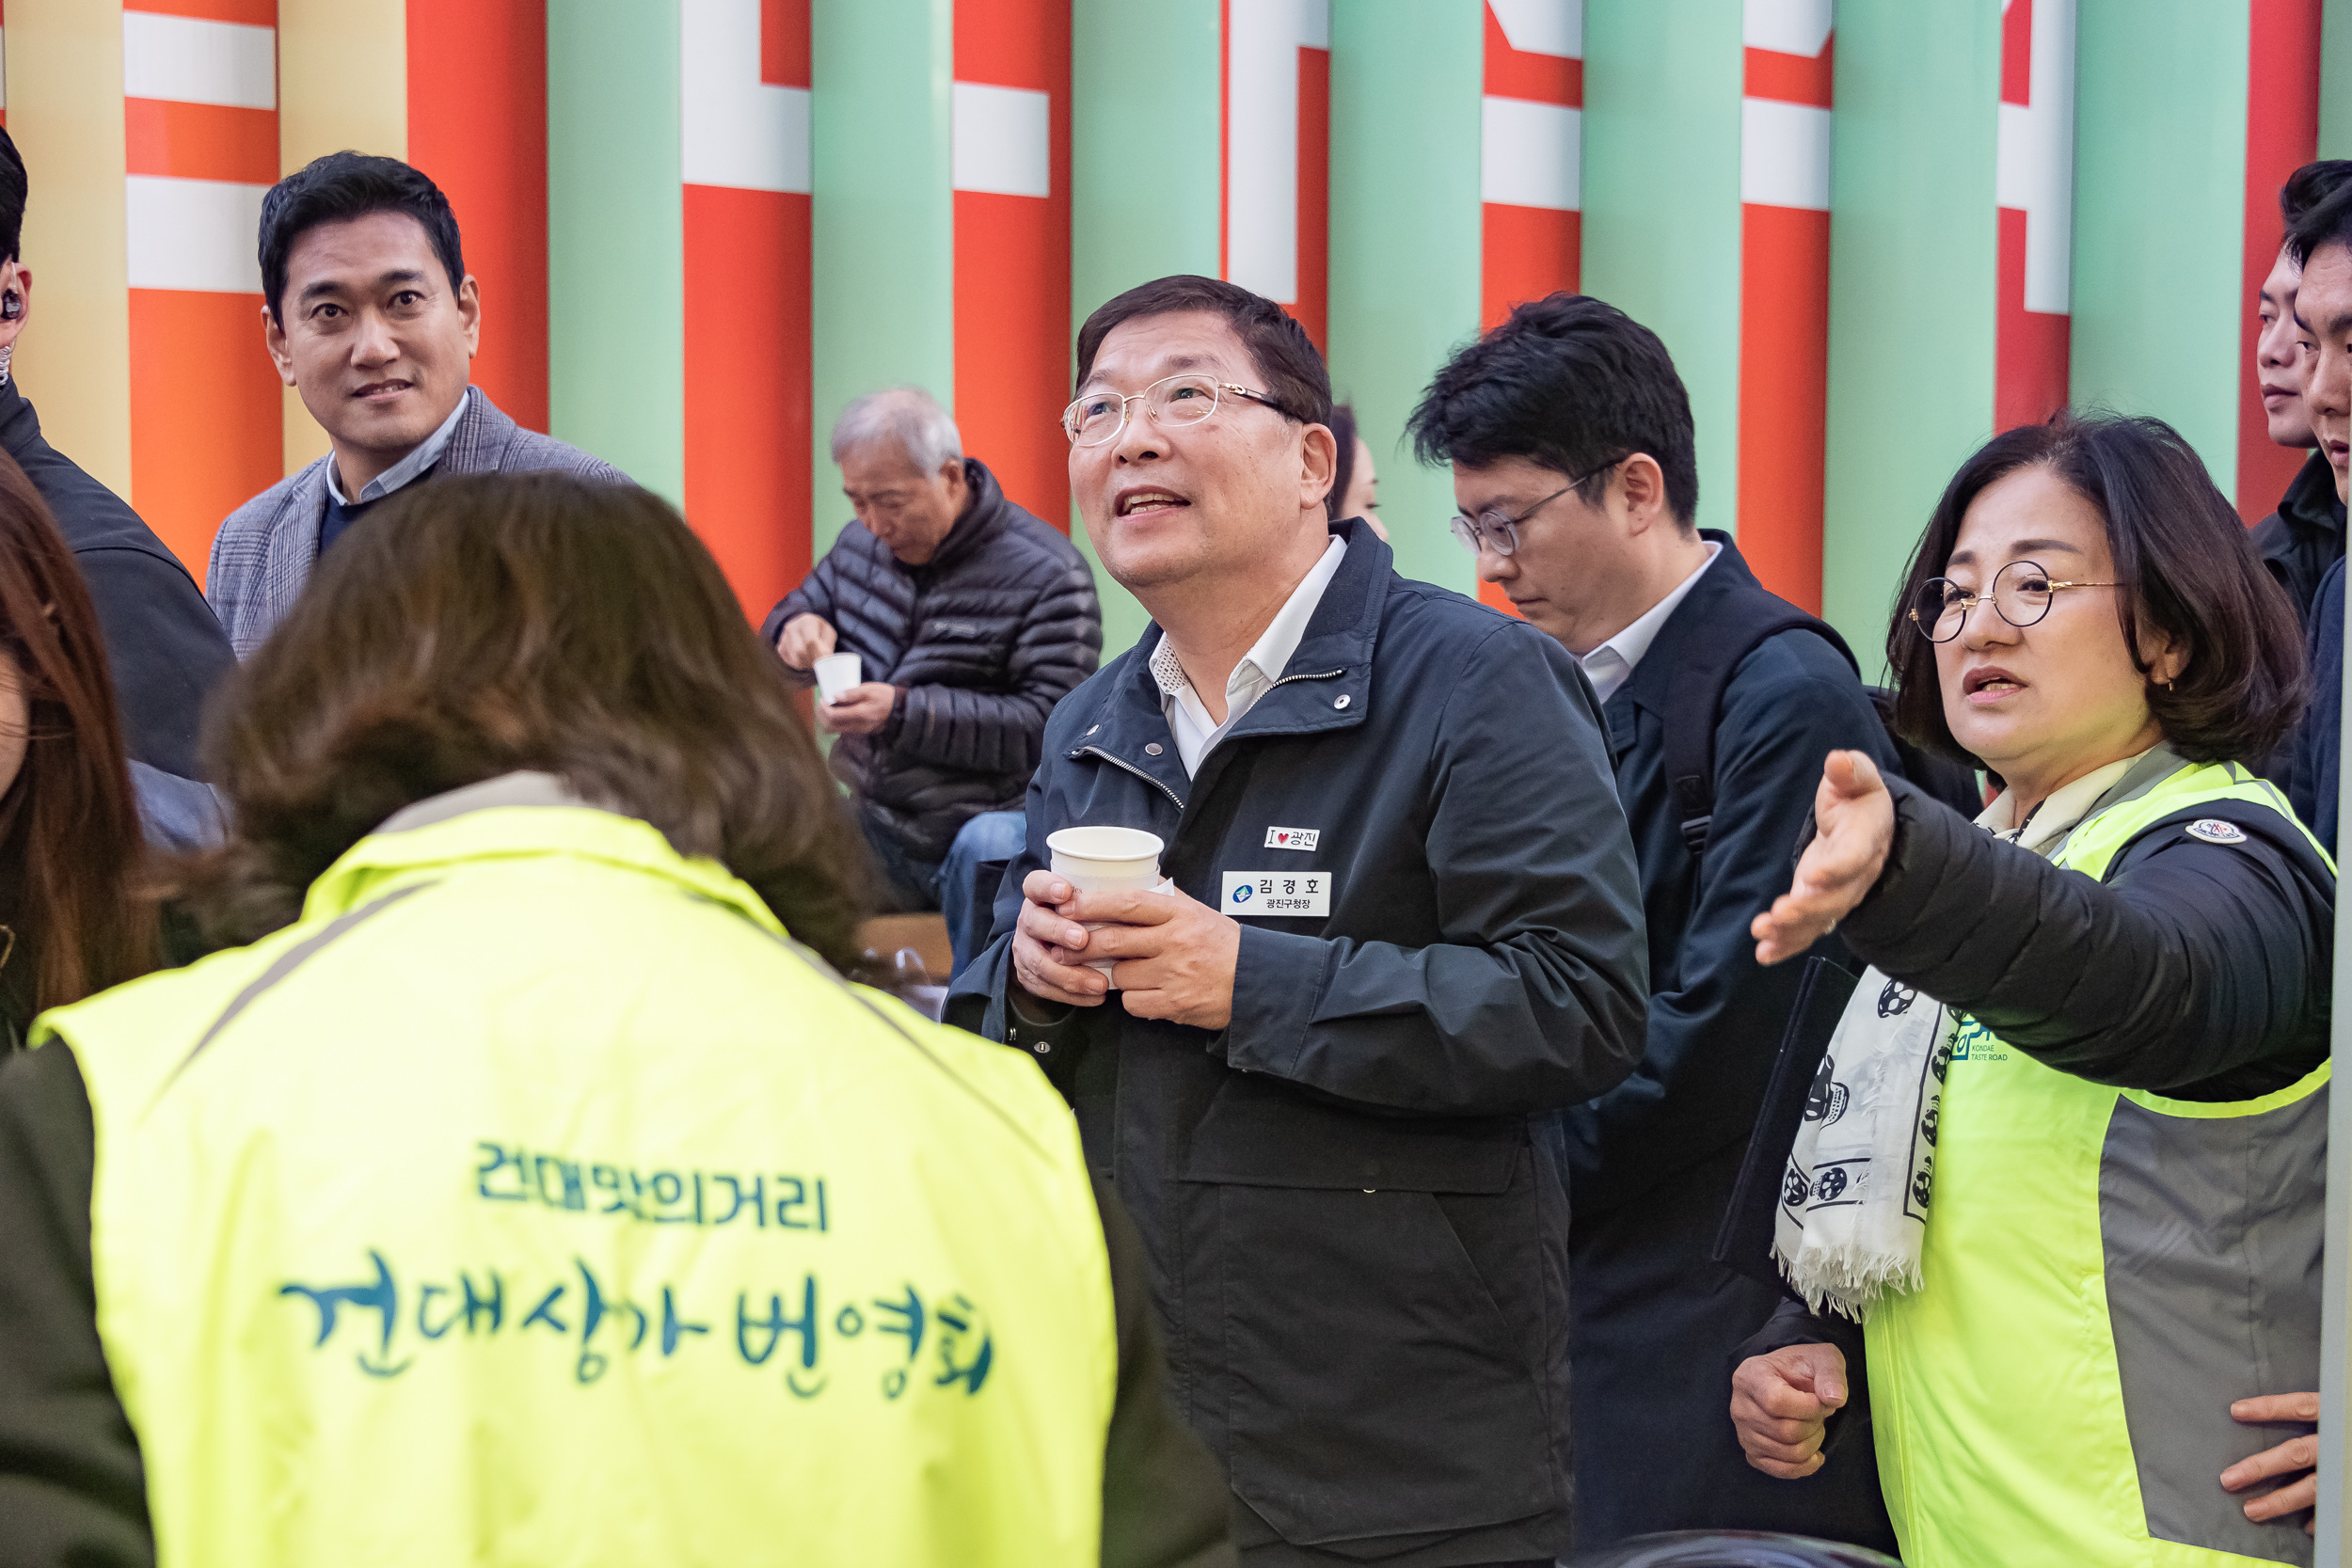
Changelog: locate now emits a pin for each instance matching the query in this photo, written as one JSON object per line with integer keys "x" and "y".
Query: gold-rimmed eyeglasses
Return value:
{"x": 2021, "y": 594}
{"x": 1173, "y": 401}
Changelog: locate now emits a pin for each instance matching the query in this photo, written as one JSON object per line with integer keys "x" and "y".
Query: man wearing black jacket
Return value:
{"x": 970, "y": 619}
{"x": 164, "y": 645}
{"x": 1574, "y": 465}
{"x": 1403, "y": 932}
{"x": 2305, "y": 535}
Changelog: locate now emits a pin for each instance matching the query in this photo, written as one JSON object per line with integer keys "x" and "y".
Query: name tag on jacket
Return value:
{"x": 1306, "y": 894}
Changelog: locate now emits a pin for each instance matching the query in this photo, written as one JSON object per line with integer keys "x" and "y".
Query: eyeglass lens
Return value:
{"x": 1179, "y": 400}
{"x": 1498, "y": 534}
{"x": 2021, "y": 595}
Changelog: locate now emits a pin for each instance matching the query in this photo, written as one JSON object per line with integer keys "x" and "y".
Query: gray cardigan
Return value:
{"x": 263, "y": 553}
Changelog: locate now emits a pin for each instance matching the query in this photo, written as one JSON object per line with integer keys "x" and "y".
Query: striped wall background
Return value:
{"x": 1872, "y": 231}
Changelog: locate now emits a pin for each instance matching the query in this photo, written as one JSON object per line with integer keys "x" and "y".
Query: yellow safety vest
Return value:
{"x": 533, "y": 1201}
{"x": 2103, "y": 1271}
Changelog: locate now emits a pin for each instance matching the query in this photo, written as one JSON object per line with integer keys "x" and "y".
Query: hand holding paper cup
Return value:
{"x": 1106, "y": 859}
{"x": 837, "y": 673}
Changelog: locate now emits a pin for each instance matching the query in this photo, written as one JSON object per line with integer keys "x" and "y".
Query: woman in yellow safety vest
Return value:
{"x": 2064, "y": 1157}
{"x": 531, "y": 1187}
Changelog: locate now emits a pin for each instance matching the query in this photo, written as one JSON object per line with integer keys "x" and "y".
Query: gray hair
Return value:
{"x": 907, "y": 417}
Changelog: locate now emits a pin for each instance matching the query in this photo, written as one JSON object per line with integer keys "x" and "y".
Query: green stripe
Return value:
{"x": 617, "y": 298}
{"x": 2335, "y": 79}
{"x": 2159, "y": 296}
{"x": 1662, "y": 201}
{"x": 882, "y": 215}
{"x": 1144, "y": 182}
{"x": 1405, "y": 79}
{"x": 1914, "y": 263}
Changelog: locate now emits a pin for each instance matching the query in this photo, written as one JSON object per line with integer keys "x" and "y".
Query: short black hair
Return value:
{"x": 1573, "y": 384}
{"x": 337, "y": 188}
{"x": 1287, "y": 359}
{"x": 1342, "y": 423}
{"x": 2195, "y": 572}
{"x": 2310, "y": 185}
{"x": 13, "y": 186}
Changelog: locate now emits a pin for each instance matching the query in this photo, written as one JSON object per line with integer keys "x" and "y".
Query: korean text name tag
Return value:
{"x": 1299, "y": 893}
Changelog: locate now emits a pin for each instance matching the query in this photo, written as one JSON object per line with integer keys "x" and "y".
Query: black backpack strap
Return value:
{"x": 1737, "y": 624}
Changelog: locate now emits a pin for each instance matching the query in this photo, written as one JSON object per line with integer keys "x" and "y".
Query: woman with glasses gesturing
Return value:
{"x": 2065, "y": 1160}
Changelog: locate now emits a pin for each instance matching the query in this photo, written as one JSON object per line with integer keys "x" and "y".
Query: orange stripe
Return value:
{"x": 1313, "y": 307}
{"x": 1784, "y": 396}
{"x": 1540, "y": 78}
{"x": 254, "y": 14}
{"x": 205, "y": 415}
{"x": 1791, "y": 78}
{"x": 200, "y": 141}
{"x": 1526, "y": 253}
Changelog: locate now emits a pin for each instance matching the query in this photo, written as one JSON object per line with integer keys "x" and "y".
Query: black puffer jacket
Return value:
{"x": 984, "y": 638}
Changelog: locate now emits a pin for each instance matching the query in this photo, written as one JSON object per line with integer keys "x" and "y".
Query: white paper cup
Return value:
{"x": 837, "y": 673}
{"x": 1106, "y": 860}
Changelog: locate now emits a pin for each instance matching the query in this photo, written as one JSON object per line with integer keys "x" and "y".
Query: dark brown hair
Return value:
{"x": 481, "y": 626}
{"x": 69, "y": 825}
{"x": 1287, "y": 359}
{"x": 2194, "y": 574}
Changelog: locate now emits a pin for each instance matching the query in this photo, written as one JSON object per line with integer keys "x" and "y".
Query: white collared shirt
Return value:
{"x": 1611, "y": 665}
{"x": 427, "y": 453}
{"x": 1260, "y": 668}
{"x": 2059, "y": 814}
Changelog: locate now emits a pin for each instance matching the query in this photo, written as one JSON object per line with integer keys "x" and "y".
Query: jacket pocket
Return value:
{"x": 1384, "y": 1350}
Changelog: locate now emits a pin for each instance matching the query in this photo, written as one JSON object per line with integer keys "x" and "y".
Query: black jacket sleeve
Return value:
{"x": 2197, "y": 969}
{"x": 165, "y": 647}
{"x": 1165, "y": 1504}
{"x": 816, "y": 595}
{"x": 71, "y": 1489}
{"x": 966, "y": 728}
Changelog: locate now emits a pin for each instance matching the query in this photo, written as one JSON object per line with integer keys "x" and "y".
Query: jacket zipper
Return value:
{"x": 1097, "y": 752}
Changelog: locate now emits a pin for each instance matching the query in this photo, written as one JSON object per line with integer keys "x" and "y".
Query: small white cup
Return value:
{"x": 837, "y": 673}
{"x": 1106, "y": 859}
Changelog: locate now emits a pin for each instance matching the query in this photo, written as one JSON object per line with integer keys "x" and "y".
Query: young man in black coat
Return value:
{"x": 1574, "y": 466}
{"x": 1403, "y": 931}
{"x": 164, "y": 645}
{"x": 971, "y": 619}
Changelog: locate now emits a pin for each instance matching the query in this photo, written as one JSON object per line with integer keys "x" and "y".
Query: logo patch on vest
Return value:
{"x": 2214, "y": 830}
{"x": 1293, "y": 838}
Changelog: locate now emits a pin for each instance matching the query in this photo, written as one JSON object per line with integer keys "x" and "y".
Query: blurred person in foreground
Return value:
{"x": 2074, "y": 1191}
{"x": 970, "y": 619}
{"x": 1575, "y": 466}
{"x": 1405, "y": 927}
{"x": 533, "y": 1186}
{"x": 370, "y": 314}
{"x": 164, "y": 644}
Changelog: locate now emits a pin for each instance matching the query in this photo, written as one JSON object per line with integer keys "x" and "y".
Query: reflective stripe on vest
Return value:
{"x": 535, "y": 1200}
{"x": 2103, "y": 1272}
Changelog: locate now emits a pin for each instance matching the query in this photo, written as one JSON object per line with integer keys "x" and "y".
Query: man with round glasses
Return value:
{"x": 1403, "y": 931}
{"x": 1575, "y": 471}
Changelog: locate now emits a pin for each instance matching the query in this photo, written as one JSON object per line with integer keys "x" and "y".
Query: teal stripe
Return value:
{"x": 1144, "y": 182}
{"x": 1406, "y": 78}
{"x": 616, "y": 305}
{"x": 2159, "y": 296}
{"x": 882, "y": 215}
{"x": 1662, "y": 201}
{"x": 2335, "y": 79}
{"x": 1914, "y": 263}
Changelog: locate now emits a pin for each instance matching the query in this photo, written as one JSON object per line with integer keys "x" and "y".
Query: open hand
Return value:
{"x": 2296, "y": 1459}
{"x": 1854, "y": 819}
{"x": 1781, "y": 1404}
{"x": 860, "y": 710}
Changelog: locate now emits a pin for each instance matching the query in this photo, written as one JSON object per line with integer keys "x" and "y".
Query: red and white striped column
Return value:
{"x": 1277, "y": 153}
{"x": 1784, "y": 292}
{"x": 2281, "y": 134}
{"x": 1531, "y": 145}
{"x": 2036, "y": 185}
{"x": 199, "y": 81}
{"x": 744, "y": 166}
{"x": 1010, "y": 117}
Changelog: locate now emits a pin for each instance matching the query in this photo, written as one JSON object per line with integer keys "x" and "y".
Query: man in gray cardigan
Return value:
{"x": 369, "y": 312}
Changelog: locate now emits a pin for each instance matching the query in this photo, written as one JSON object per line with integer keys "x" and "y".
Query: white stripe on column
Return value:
{"x": 1787, "y": 27}
{"x": 1003, "y": 140}
{"x": 1262, "y": 131}
{"x": 185, "y": 59}
{"x": 1784, "y": 154}
{"x": 735, "y": 129}
{"x": 193, "y": 234}
{"x": 1543, "y": 26}
{"x": 2035, "y": 167}
{"x": 1530, "y": 154}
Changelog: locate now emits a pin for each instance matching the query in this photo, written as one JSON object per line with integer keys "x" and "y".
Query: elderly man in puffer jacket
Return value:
{"x": 971, "y": 619}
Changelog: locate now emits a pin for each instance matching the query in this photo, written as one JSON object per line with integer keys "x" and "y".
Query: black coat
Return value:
{"x": 1356, "y": 1243}
{"x": 163, "y": 642}
{"x": 985, "y": 638}
{"x": 2305, "y": 536}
